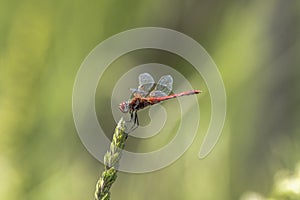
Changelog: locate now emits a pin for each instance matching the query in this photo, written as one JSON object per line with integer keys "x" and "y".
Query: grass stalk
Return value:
{"x": 111, "y": 159}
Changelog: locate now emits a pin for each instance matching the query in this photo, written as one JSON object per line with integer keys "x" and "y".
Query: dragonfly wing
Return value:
{"x": 157, "y": 93}
{"x": 164, "y": 85}
{"x": 134, "y": 90}
{"x": 146, "y": 83}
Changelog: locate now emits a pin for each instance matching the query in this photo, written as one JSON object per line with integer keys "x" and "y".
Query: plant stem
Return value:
{"x": 111, "y": 159}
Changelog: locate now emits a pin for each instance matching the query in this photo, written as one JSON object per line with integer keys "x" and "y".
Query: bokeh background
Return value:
{"x": 255, "y": 45}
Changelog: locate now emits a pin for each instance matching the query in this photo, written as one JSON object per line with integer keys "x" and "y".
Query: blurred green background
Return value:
{"x": 255, "y": 45}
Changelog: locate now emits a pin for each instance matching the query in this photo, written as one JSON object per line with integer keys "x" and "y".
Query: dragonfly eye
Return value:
{"x": 124, "y": 107}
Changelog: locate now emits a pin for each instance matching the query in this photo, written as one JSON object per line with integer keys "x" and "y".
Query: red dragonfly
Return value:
{"x": 148, "y": 93}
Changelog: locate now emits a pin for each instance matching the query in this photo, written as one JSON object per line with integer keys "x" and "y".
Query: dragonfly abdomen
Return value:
{"x": 190, "y": 92}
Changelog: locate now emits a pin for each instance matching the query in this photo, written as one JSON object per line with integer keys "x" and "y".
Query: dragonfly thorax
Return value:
{"x": 124, "y": 106}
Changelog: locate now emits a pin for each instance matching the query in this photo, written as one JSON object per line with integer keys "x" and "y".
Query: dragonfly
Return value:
{"x": 150, "y": 93}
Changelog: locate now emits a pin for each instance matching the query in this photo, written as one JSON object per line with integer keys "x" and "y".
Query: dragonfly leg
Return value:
{"x": 131, "y": 128}
{"x": 131, "y": 116}
{"x": 136, "y": 119}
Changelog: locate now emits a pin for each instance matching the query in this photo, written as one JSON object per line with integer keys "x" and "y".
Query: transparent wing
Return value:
{"x": 146, "y": 83}
{"x": 146, "y": 79}
{"x": 156, "y": 93}
{"x": 164, "y": 86}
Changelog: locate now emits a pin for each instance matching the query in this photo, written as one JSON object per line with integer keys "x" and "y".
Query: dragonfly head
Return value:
{"x": 124, "y": 106}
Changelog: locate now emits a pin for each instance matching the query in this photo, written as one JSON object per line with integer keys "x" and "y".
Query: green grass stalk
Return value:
{"x": 111, "y": 159}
